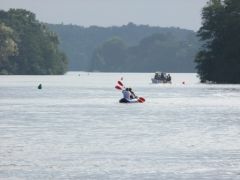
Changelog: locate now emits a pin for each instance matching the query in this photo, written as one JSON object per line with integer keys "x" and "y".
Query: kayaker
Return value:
{"x": 133, "y": 95}
{"x": 127, "y": 96}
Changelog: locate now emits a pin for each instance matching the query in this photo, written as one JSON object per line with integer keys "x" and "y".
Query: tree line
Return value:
{"x": 28, "y": 46}
{"x": 84, "y": 46}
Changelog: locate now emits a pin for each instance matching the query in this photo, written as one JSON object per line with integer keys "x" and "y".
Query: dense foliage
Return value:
{"x": 219, "y": 59}
{"x": 158, "y": 52}
{"x": 110, "y": 56}
{"x": 8, "y": 47}
{"x": 84, "y": 46}
{"x": 27, "y": 46}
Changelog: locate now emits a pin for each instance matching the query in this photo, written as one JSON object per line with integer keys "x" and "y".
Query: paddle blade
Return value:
{"x": 118, "y": 87}
{"x": 120, "y": 83}
{"x": 141, "y": 99}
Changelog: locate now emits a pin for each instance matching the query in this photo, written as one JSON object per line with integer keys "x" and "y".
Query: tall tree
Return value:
{"x": 37, "y": 46}
{"x": 219, "y": 58}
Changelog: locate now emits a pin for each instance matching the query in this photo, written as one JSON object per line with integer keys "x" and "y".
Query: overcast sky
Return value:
{"x": 165, "y": 13}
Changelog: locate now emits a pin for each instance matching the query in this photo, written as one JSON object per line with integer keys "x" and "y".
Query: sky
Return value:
{"x": 164, "y": 13}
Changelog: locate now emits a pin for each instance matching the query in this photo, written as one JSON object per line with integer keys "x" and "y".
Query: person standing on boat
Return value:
{"x": 169, "y": 78}
{"x": 162, "y": 77}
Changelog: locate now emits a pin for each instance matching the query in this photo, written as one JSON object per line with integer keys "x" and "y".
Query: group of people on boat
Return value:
{"x": 162, "y": 78}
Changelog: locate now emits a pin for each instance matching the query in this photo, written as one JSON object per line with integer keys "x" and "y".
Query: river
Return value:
{"x": 74, "y": 128}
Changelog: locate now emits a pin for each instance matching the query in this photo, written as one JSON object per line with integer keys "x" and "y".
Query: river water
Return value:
{"x": 74, "y": 128}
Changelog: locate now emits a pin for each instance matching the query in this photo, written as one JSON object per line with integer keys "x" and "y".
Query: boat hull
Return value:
{"x": 157, "y": 81}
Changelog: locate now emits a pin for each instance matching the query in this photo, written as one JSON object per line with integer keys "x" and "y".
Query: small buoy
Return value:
{"x": 183, "y": 82}
{"x": 40, "y": 86}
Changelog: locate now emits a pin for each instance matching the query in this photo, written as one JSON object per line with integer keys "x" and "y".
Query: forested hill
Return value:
{"x": 80, "y": 44}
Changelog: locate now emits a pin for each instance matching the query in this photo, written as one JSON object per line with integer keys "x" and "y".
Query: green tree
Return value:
{"x": 38, "y": 51}
{"x": 219, "y": 58}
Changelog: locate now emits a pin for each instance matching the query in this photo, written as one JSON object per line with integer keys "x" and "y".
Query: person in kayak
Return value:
{"x": 132, "y": 95}
{"x": 127, "y": 96}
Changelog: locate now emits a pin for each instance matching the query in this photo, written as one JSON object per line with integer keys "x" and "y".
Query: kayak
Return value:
{"x": 123, "y": 100}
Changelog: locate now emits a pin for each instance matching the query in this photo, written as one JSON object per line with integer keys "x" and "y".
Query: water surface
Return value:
{"x": 74, "y": 128}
